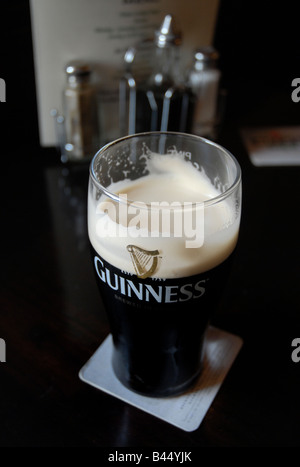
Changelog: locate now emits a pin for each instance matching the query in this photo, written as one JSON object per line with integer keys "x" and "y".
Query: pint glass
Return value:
{"x": 163, "y": 220}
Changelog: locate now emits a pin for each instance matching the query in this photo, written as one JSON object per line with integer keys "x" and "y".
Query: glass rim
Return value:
{"x": 216, "y": 199}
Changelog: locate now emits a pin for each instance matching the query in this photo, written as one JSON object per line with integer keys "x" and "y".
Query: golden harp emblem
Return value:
{"x": 144, "y": 261}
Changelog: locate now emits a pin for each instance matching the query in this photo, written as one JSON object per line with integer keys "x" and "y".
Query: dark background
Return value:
{"x": 49, "y": 313}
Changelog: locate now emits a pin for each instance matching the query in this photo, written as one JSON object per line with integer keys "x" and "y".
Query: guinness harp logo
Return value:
{"x": 144, "y": 261}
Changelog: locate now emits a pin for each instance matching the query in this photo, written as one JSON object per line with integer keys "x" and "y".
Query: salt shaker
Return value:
{"x": 80, "y": 112}
{"x": 204, "y": 80}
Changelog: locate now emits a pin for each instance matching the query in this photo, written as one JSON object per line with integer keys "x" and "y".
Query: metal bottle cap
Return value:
{"x": 78, "y": 70}
{"x": 206, "y": 54}
{"x": 167, "y": 34}
{"x": 78, "y": 67}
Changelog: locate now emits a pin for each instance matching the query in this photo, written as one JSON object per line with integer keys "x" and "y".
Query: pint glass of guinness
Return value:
{"x": 163, "y": 220}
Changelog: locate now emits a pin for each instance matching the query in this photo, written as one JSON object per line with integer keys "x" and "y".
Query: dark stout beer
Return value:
{"x": 158, "y": 326}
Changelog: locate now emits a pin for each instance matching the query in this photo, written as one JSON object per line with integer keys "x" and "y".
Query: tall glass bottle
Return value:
{"x": 161, "y": 101}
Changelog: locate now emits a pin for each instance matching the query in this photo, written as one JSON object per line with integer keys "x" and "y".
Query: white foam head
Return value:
{"x": 128, "y": 219}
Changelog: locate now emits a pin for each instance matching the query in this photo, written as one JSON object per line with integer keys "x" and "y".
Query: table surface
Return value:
{"x": 52, "y": 319}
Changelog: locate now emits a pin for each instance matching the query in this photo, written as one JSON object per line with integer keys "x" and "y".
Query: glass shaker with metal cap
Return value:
{"x": 160, "y": 100}
{"x": 80, "y": 112}
{"x": 204, "y": 78}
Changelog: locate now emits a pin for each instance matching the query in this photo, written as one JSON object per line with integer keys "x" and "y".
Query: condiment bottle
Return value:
{"x": 204, "y": 79}
{"x": 80, "y": 112}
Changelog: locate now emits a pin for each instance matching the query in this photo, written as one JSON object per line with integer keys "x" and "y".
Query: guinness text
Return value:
{"x": 147, "y": 292}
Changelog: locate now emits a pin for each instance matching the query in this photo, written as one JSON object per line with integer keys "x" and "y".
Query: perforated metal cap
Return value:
{"x": 206, "y": 54}
{"x": 78, "y": 68}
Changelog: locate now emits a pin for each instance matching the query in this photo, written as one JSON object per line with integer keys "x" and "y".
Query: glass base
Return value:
{"x": 159, "y": 389}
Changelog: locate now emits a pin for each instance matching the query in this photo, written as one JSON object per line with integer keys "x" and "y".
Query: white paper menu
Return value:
{"x": 273, "y": 146}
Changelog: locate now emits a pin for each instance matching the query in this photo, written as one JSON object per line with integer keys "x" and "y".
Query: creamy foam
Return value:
{"x": 170, "y": 179}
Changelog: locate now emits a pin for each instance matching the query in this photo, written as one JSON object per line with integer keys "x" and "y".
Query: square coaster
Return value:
{"x": 185, "y": 411}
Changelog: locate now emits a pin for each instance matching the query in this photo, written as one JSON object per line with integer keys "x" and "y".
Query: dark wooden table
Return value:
{"x": 51, "y": 316}
{"x": 52, "y": 319}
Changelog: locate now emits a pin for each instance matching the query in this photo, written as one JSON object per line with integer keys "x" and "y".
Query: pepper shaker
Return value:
{"x": 80, "y": 112}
